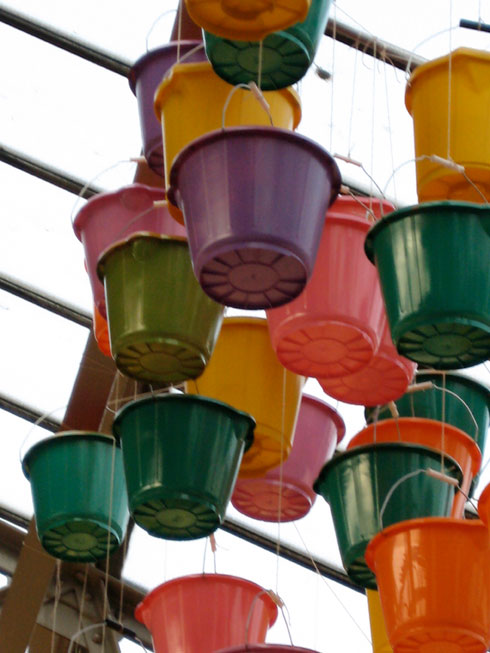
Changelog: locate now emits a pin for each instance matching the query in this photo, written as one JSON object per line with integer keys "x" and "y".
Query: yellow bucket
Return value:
{"x": 245, "y": 373}
{"x": 246, "y": 20}
{"x": 190, "y": 101}
{"x": 381, "y": 643}
{"x": 451, "y": 96}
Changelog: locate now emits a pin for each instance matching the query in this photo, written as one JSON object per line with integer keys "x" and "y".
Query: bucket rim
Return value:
{"x": 269, "y": 133}
{"x": 61, "y": 436}
{"x": 224, "y": 578}
{"x": 335, "y": 416}
{"x": 484, "y": 498}
{"x": 377, "y": 202}
{"x": 140, "y": 63}
{"x": 268, "y": 647}
{"x": 382, "y": 446}
{"x": 423, "y": 209}
{"x": 477, "y": 385}
{"x": 199, "y": 399}
{"x": 108, "y": 197}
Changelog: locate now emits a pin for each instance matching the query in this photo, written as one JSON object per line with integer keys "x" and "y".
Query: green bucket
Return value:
{"x": 80, "y": 515}
{"x": 286, "y": 55}
{"x": 162, "y": 326}
{"x": 181, "y": 455}
{"x": 432, "y": 261}
{"x": 356, "y": 483}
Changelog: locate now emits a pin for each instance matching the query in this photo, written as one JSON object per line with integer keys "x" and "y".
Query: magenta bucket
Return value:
{"x": 144, "y": 77}
{"x": 333, "y": 328}
{"x": 254, "y": 202}
{"x": 318, "y": 431}
{"x": 113, "y": 216}
{"x": 266, "y": 648}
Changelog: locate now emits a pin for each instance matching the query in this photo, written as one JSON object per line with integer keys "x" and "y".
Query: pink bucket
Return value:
{"x": 318, "y": 430}
{"x": 333, "y": 328}
{"x": 266, "y": 648}
{"x": 113, "y": 216}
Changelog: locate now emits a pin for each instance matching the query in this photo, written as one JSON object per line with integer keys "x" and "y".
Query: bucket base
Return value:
{"x": 79, "y": 540}
{"x": 253, "y": 278}
{"x": 453, "y": 186}
{"x": 260, "y": 499}
{"x": 441, "y": 640}
{"x": 328, "y": 349}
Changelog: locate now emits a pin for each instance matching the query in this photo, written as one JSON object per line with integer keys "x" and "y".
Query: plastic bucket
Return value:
{"x": 254, "y": 201}
{"x": 244, "y": 372}
{"x": 190, "y": 103}
{"x": 381, "y": 643}
{"x": 266, "y": 648}
{"x": 432, "y": 261}
{"x": 356, "y": 483}
{"x": 484, "y": 505}
{"x": 109, "y": 217}
{"x": 333, "y": 328}
{"x": 283, "y": 57}
{"x": 385, "y": 378}
{"x": 246, "y": 19}
{"x": 443, "y": 108}
{"x": 181, "y": 455}
{"x": 286, "y": 493}
{"x": 79, "y": 494}
{"x": 101, "y": 332}
{"x": 206, "y": 612}
{"x": 144, "y": 77}
{"x": 433, "y": 577}
{"x": 162, "y": 326}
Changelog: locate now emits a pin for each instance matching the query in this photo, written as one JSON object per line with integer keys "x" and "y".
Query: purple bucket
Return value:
{"x": 254, "y": 202}
{"x": 144, "y": 77}
{"x": 110, "y": 217}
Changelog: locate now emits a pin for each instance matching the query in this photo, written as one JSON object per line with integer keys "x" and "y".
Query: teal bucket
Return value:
{"x": 284, "y": 56}
{"x": 80, "y": 515}
{"x": 181, "y": 455}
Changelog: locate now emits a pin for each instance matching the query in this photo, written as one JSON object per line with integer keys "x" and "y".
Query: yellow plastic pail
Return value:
{"x": 379, "y": 637}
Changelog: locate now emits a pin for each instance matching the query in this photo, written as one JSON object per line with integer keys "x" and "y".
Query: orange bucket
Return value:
{"x": 435, "y": 435}
{"x": 434, "y": 584}
{"x": 101, "y": 332}
{"x": 484, "y": 506}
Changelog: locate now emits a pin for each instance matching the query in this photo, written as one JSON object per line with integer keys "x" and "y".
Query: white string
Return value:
{"x": 157, "y": 20}
{"x": 88, "y": 629}
{"x": 334, "y": 36}
{"x": 390, "y": 132}
{"x": 428, "y": 38}
{"x": 449, "y": 83}
{"x": 249, "y": 87}
{"x": 393, "y": 488}
{"x": 31, "y": 429}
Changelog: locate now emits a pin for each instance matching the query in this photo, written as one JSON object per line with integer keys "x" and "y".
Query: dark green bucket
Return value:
{"x": 80, "y": 515}
{"x": 356, "y": 483}
{"x": 286, "y": 55}
{"x": 432, "y": 261}
{"x": 181, "y": 455}
{"x": 162, "y": 325}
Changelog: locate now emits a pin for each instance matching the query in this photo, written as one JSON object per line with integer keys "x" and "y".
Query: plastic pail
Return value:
{"x": 244, "y": 372}
{"x": 145, "y": 76}
{"x": 80, "y": 512}
{"x": 283, "y": 57}
{"x": 254, "y": 201}
{"x": 190, "y": 103}
{"x": 206, "y": 612}
{"x": 432, "y": 261}
{"x": 246, "y": 19}
{"x": 385, "y": 378}
{"x": 101, "y": 332}
{"x": 162, "y": 325}
{"x": 318, "y": 430}
{"x": 442, "y": 108}
{"x": 356, "y": 483}
{"x": 333, "y": 328}
{"x": 266, "y": 648}
{"x": 181, "y": 455}
{"x": 433, "y": 576}
{"x": 381, "y": 643}
{"x": 109, "y": 217}
{"x": 484, "y": 506}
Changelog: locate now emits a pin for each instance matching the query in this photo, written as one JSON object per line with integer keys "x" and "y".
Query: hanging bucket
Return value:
{"x": 101, "y": 332}
{"x": 385, "y": 378}
{"x": 144, "y": 77}
{"x": 279, "y": 60}
{"x": 206, "y": 612}
{"x": 181, "y": 455}
{"x": 162, "y": 326}
{"x": 433, "y": 577}
{"x": 109, "y": 217}
{"x": 484, "y": 506}
{"x": 453, "y": 108}
{"x": 254, "y": 201}
{"x": 286, "y": 493}
{"x": 356, "y": 483}
{"x": 266, "y": 648}
{"x": 432, "y": 261}
{"x": 246, "y": 19}
{"x": 381, "y": 643}
{"x": 244, "y": 372}
{"x": 79, "y": 495}
{"x": 190, "y": 102}
{"x": 333, "y": 328}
